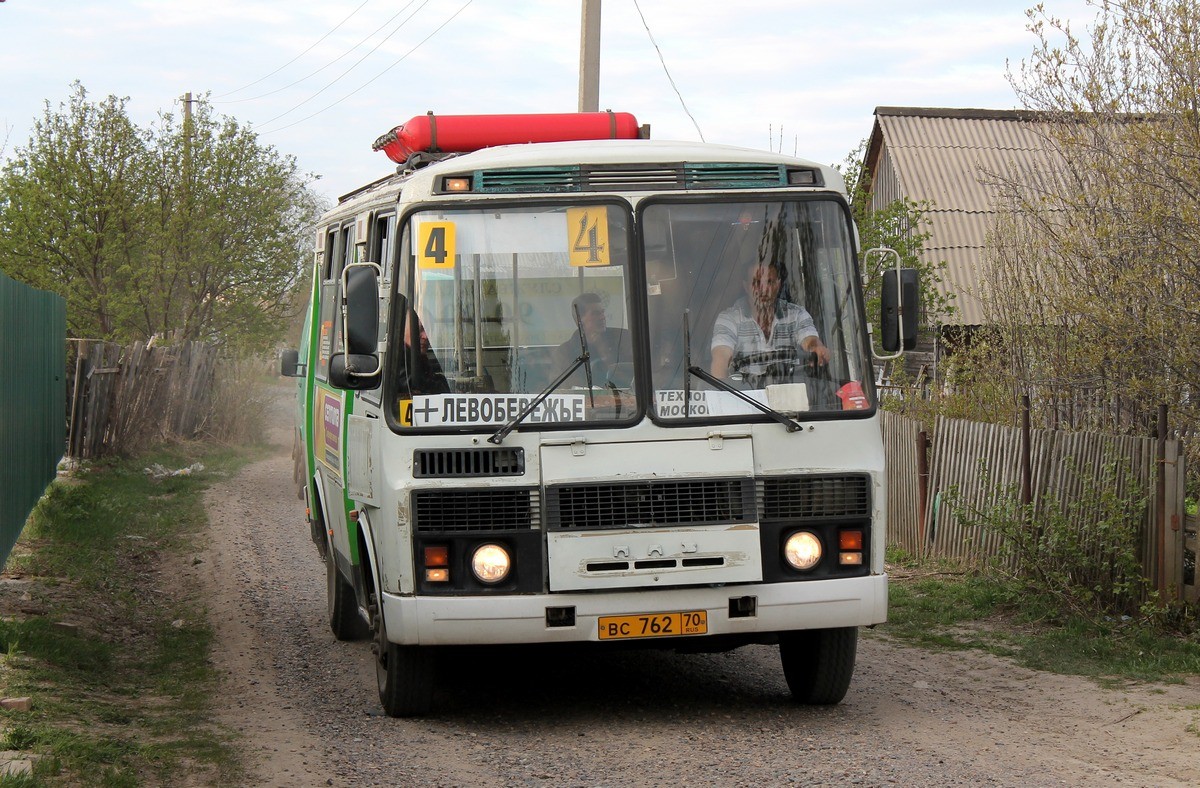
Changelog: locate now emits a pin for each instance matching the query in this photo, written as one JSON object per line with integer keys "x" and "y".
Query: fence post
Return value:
{"x": 1160, "y": 500}
{"x": 75, "y": 434}
{"x": 1026, "y": 470}
{"x": 922, "y": 485}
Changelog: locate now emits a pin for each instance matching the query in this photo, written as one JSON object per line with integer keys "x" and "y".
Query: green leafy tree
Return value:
{"x": 72, "y": 210}
{"x": 231, "y": 232}
{"x": 193, "y": 229}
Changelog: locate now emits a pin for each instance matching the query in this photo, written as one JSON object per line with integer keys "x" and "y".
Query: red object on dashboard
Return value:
{"x": 463, "y": 133}
{"x": 853, "y": 397}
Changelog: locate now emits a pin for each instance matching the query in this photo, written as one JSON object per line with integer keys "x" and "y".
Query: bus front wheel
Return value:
{"x": 819, "y": 663}
{"x": 404, "y": 675}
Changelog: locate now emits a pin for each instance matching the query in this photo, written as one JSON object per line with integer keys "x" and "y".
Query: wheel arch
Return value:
{"x": 319, "y": 516}
{"x": 366, "y": 575}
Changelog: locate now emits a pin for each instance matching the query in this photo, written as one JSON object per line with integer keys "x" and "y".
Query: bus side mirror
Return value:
{"x": 358, "y": 367}
{"x": 900, "y": 304}
{"x": 289, "y": 364}
{"x": 354, "y": 371}
{"x": 361, "y": 305}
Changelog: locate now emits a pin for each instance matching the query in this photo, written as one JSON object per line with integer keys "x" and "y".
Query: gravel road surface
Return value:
{"x": 306, "y": 705}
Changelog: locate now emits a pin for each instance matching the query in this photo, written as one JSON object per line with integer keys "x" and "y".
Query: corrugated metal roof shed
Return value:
{"x": 950, "y": 157}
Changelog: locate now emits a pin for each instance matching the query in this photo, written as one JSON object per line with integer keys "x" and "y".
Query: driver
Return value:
{"x": 761, "y": 322}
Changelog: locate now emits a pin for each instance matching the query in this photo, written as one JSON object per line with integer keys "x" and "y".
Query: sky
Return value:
{"x": 320, "y": 81}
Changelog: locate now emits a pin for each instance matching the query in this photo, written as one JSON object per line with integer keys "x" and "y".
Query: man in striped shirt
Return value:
{"x": 759, "y": 323}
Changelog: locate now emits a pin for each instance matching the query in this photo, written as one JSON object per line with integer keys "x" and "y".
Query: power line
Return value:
{"x": 372, "y": 79}
{"x": 666, "y": 71}
{"x": 357, "y": 63}
{"x": 336, "y": 59}
{"x": 297, "y": 57}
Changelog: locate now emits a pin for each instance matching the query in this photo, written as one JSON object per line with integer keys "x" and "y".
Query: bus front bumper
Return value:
{"x": 538, "y": 618}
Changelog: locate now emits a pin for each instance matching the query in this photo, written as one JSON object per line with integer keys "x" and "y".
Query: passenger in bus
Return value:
{"x": 747, "y": 335}
{"x": 607, "y": 347}
{"x": 418, "y": 370}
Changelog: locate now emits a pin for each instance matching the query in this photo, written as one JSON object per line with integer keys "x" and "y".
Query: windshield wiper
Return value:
{"x": 583, "y": 353}
{"x": 583, "y": 359}
{"x": 790, "y": 424}
{"x": 501, "y": 433}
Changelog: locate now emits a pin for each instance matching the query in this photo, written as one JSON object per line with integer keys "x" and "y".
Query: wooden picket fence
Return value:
{"x": 976, "y": 462}
{"x": 122, "y": 399}
{"x": 903, "y": 447}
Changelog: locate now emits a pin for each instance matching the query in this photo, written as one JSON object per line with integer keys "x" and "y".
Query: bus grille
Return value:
{"x": 452, "y": 463}
{"x": 814, "y": 497}
{"x": 648, "y": 504}
{"x": 491, "y": 509}
{"x": 639, "y": 177}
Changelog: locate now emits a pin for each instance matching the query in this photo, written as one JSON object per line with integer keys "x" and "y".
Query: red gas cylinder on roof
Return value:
{"x": 463, "y": 133}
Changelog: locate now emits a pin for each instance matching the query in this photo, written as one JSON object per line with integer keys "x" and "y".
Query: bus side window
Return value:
{"x": 327, "y": 255}
{"x": 328, "y": 293}
{"x": 383, "y": 243}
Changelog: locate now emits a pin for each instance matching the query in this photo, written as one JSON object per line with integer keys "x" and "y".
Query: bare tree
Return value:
{"x": 1095, "y": 266}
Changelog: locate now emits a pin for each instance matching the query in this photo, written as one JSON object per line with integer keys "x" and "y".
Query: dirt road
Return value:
{"x": 307, "y": 707}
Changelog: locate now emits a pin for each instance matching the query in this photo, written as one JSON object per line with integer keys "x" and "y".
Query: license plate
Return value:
{"x": 654, "y": 625}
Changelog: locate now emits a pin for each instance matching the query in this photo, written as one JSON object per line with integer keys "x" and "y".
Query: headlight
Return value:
{"x": 802, "y": 550}
{"x": 491, "y": 563}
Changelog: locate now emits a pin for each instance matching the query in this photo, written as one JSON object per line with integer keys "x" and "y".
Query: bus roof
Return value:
{"x": 599, "y": 153}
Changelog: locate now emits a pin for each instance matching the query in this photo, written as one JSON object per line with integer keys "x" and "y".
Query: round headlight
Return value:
{"x": 802, "y": 550}
{"x": 491, "y": 563}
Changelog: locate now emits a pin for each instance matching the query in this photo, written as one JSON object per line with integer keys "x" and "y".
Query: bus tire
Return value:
{"x": 404, "y": 674}
{"x": 818, "y": 663}
{"x": 341, "y": 605}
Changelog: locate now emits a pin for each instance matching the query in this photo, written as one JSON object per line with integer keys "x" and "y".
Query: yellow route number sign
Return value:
{"x": 587, "y": 230}
{"x": 435, "y": 246}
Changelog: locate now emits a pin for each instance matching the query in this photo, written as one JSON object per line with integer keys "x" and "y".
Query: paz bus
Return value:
{"x": 481, "y": 467}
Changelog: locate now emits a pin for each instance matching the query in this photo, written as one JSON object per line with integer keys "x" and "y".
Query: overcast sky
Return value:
{"x": 321, "y": 80}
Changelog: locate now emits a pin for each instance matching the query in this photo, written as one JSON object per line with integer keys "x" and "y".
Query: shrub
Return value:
{"x": 1085, "y": 552}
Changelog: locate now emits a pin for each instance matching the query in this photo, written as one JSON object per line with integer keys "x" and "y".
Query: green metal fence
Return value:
{"x": 33, "y": 333}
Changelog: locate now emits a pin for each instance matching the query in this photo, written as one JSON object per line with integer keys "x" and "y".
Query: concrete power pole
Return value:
{"x": 187, "y": 130}
{"x": 589, "y": 57}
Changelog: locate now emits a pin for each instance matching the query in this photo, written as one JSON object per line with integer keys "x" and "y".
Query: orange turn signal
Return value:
{"x": 850, "y": 540}
{"x": 437, "y": 555}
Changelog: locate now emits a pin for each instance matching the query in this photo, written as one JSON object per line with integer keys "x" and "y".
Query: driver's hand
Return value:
{"x": 822, "y": 354}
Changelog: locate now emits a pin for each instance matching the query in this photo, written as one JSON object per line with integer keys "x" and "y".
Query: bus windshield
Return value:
{"x": 761, "y": 296}
{"x": 502, "y": 302}
{"x": 496, "y": 305}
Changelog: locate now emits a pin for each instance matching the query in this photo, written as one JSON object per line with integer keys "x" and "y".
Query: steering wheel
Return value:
{"x": 783, "y": 365}
{"x": 742, "y": 361}
{"x": 778, "y": 366}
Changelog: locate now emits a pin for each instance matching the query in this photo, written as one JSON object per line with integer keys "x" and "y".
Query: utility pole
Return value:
{"x": 589, "y": 57}
{"x": 184, "y": 242}
{"x": 186, "y": 100}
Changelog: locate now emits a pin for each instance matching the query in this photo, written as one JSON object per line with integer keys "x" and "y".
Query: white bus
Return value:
{"x": 531, "y": 411}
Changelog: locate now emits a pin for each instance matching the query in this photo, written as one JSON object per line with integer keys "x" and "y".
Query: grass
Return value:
{"x": 107, "y": 637}
{"x": 945, "y": 607}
